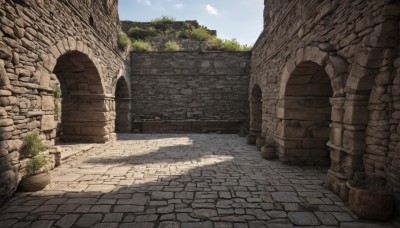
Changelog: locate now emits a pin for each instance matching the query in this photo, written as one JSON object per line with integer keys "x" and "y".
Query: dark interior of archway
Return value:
{"x": 83, "y": 105}
{"x": 307, "y": 115}
{"x": 256, "y": 111}
{"x": 122, "y": 119}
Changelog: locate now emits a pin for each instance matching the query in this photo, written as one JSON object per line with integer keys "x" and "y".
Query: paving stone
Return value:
{"x": 202, "y": 175}
{"x": 89, "y": 220}
{"x": 101, "y": 208}
{"x": 106, "y": 225}
{"x": 206, "y": 224}
{"x": 67, "y": 221}
{"x": 204, "y": 213}
{"x": 128, "y": 208}
{"x": 169, "y": 224}
{"x": 184, "y": 195}
{"x": 223, "y": 225}
{"x": 166, "y": 210}
{"x": 137, "y": 224}
{"x": 8, "y": 222}
{"x": 184, "y": 217}
{"x": 161, "y": 195}
{"x": 276, "y": 214}
{"x": 285, "y": 197}
{"x": 342, "y": 216}
{"x": 113, "y": 217}
{"x": 303, "y": 218}
{"x": 326, "y": 218}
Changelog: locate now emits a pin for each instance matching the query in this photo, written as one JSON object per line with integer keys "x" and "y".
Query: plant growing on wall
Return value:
{"x": 141, "y": 33}
{"x": 172, "y": 46}
{"x": 141, "y": 46}
{"x": 123, "y": 41}
{"x": 57, "y": 106}
{"x": 163, "y": 20}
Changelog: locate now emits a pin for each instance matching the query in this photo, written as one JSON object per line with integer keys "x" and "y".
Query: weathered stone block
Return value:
{"x": 47, "y": 103}
{"x": 47, "y": 123}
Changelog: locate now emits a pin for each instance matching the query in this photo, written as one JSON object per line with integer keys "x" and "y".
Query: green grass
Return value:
{"x": 32, "y": 145}
{"x": 200, "y": 34}
{"x": 141, "y": 46}
{"x": 141, "y": 33}
{"x": 163, "y": 20}
{"x": 172, "y": 46}
{"x": 123, "y": 41}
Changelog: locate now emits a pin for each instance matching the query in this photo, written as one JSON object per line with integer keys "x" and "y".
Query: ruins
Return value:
{"x": 322, "y": 84}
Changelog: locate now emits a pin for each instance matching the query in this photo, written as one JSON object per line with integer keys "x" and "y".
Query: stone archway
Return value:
{"x": 83, "y": 102}
{"x": 122, "y": 107}
{"x": 305, "y": 116}
{"x": 255, "y": 114}
{"x": 311, "y": 114}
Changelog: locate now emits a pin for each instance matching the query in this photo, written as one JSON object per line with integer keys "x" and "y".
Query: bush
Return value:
{"x": 172, "y": 46}
{"x": 214, "y": 43}
{"x": 184, "y": 34}
{"x": 123, "y": 41}
{"x": 163, "y": 20}
{"x": 141, "y": 46}
{"x": 141, "y": 33}
{"x": 200, "y": 34}
{"x": 231, "y": 45}
{"x": 32, "y": 145}
{"x": 35, "y": 164}
{"x": 57, "y": 108}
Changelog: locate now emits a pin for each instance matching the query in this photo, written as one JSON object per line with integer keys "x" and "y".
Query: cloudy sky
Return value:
{"x": 240, "y": 19}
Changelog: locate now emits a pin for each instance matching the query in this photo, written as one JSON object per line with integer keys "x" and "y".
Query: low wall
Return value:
{"x": 190, "y": 91}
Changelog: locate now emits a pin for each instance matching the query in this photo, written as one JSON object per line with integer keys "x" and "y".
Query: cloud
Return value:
{"x": 178, "y": 5}
{"x": 212, "y": 10}
{"x": 147, "y": 2}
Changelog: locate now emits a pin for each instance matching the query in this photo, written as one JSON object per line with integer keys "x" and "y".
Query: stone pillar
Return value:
{"x": 347, "y": 141}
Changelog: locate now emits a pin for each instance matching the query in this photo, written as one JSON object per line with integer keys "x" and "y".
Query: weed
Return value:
{"x": 141, "y": 33}
{"x": 172, "y": 46}
{"x": 163, "y": 20}
{"x": 123, "y": 41}
{"x": 141, "y": 46}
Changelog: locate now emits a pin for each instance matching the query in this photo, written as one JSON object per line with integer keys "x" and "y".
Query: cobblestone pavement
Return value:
{"x": 180, "y": 180}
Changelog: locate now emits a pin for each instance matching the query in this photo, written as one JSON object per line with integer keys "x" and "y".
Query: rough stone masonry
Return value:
{"x": 48, "y": 45}
{"x": 324, "y": 87}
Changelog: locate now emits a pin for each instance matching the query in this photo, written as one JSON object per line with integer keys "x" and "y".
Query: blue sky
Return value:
{"x": 240, "y": 19}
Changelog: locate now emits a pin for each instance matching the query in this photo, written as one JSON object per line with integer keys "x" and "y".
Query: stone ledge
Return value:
{"x": 166, "y": 126}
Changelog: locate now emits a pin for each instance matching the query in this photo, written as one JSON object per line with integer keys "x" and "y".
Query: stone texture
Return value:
{"x": 32, "y": 39}
{"x": 348, "y": 68}
{"x": 181, "y": 94}
{"x": 201, "y": 163}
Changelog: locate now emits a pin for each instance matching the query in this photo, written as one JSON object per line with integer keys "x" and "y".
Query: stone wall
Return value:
{"x": 50, "y": 44}
{"x": 327, "y": 71}
{"x": 190, "y": 87}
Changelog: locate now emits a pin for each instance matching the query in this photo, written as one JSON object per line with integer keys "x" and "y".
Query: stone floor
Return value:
{"x": 180, "y": 180}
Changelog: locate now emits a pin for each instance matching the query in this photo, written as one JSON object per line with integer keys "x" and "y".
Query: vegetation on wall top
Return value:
{"x": 165, "y": 34}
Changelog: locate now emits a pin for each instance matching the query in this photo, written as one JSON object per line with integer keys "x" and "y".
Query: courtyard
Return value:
{"x": 180, "y": 180}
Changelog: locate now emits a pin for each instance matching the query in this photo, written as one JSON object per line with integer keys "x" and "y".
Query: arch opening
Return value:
{"x": 305, "y": 115}
{"x": 82, "y": 104}
{"x": 255, "y": 114}
{"x": 123, "y": 107}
